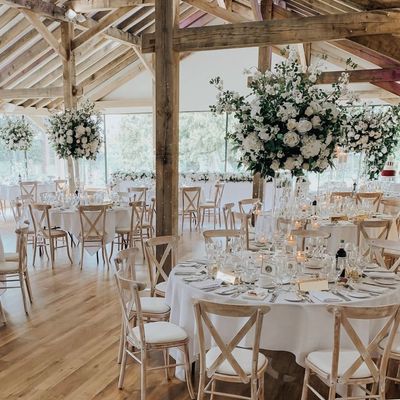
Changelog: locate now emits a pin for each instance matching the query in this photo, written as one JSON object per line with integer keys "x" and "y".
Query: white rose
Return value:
{"x": 275, "y": 165}
{"x": 291, "y": 124}
{"x": 311, "y": 148}
{"x": 69, "y": 132}
{"x": 306, "y": 166}
{"x": 69, "y": 140}
{"x": 289, "y": 163}
{"x": 291, "y": 139}
{"x": 80, "y": 130}
{"x": 88, "y": 130}
{"x": 252, "y": 143}
{"x": 316, "y": 121}
{"x": 84, "y": 139}
{"x": 304, "y": 126}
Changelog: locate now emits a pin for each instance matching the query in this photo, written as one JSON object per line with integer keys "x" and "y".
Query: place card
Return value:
{"x": 308, "y": 285}
{"x": 225, "y": 277}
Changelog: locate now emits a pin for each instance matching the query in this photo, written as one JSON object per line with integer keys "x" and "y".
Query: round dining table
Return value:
{"x": 295, "y": 327}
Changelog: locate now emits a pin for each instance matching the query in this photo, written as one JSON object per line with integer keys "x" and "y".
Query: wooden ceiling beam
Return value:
{"x": 85, "y": 6}
{"x": 374, "y": 4}
{"x": 110, "y": 19}
{"x": 392, "y": 87}
{"x": 364, "y": 75}
{"x": 45, "y": 33}
{"x": 51, "y": 92}
{"x": 217, "y": 11}
{"x": 296, "y": 30}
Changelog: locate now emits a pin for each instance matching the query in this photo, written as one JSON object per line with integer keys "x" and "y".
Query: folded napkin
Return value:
{"x": 190, "y": 264}
{"x": 255, "y": 294}
{"x": 326, "y": 297}
{"x": 381, "y": 275}
{"x": 207, "y": 284}
{"x": 180, "y": 270}
{"x": 369, "y": 288}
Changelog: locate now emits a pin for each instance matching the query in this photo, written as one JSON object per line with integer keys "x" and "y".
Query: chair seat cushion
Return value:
{"x": 54, "y": 233}
{"x": 323, "y": 361}
{"x": 153, "y": 305}
{"x": 395, "y": 346}
{"x": 207, "y": 204}
{"x": 242, "y": 356}
{"x": 123, "y": 231}
{"x": 9, "y": 267}
{"x": 161, "y": 287}
{"x": 11, "y": 256}
{"x": 161, "y": 332}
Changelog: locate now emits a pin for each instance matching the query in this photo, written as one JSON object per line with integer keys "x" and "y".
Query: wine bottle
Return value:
{"x": 341, "y": 258}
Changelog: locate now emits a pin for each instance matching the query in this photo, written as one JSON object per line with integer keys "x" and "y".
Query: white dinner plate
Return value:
{"x": 386, "y": 282}
{"x": 358, "y": 295}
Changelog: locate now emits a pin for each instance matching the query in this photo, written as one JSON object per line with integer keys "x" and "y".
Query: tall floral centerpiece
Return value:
{"x": 286, "y": 121}
{"x": 17, "y": 135}
{"x": 374, "y": 133}
{"x": 76, "y": 134}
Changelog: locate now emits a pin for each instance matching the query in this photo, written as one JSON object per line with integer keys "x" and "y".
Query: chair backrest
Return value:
{"x": 60, "y": 184}
{"x": 46, "y": 196}
{"x": 377, "y": 248}
{"x": 151, "y": 211}
{"x": 391, "y": 206}
{"x": 123, "y": 196}
{"x": 342, "y": 316}
{"x": 93, "y": 221}
{"x": 254, "y": 314}
{"x": 41, "y": 218}
{"x": 28, "y": 191}
{"x": 17, "y": 209}
{"x": 138, "y": 194}
{"x": 169, "y": 248}
{"x": 138, "y": 209}
{"x": 248, "y": 206}
{"x": 125, "y": 263}
{"x": 190, "y": 199}
{"x": 374, "y": 197}
{"x": 373, "y": 229}
{"x": 229, "y": 219}
{"x": 128, "y": 291}
{"x": 218, "y": 192}
{"x": 220, "y": 233}
{"x": 22, "y": 240}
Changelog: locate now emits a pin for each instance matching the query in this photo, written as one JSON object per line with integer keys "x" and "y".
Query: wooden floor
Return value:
{"x": 66, "y": 348}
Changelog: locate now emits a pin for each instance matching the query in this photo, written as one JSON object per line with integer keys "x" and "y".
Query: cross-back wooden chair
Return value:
{"x": 153, "y": 308}
{"x": 60, "y": 185}
{"x": 390, "y": 206}
{"x": 393, "y": 355}
{"x": 93, "y": 229}
{"x": 372, "y": 229}
{"x": 248, "y": 206}
{"x": 15, "y": 273}
{"x": 379, "y": 248}
{"x": 129, "y": 235}
{"x": 226, "y": 361}
{"x": 191, "y": 205}
{"x": 46, "y": 234}
{"x": 374, "y": 197}
{"x": 213, "y": 207}
{"x": 304, "y": 234}
{"x": 229, "y": 219}
{"x": 29, "y": 190}
{"x": 21, "y": 216}
{"x": 340, "y": 194}
{"x": 353, "y": 366}
{"x": 158, "y": 277}
{"x": 138, "y": 194}
{"x": 152, "y": 336}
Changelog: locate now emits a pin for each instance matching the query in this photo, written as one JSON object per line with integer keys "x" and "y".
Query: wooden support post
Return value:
{"x": 69, "y": 79}
{"x": 167, "y": 119}
{"x": 264, "y": 64}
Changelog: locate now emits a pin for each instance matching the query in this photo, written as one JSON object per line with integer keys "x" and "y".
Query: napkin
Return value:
{"x": 255, "y": 294}
{"x": 180, "y": 270}
{"x": 326, "y": 297}
{"x": 207, "y": 284}
{"x": 380, "y": 275}
{"x": 372, "y": 289}
{"x": 192, "y": 264}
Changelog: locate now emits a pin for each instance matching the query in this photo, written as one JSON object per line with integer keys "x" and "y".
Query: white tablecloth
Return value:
{"x": 298, "y": 328}
{"x": 11, "y": 192}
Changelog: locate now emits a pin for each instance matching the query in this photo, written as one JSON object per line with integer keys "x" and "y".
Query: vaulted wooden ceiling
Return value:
{"x": 108, "y": 35}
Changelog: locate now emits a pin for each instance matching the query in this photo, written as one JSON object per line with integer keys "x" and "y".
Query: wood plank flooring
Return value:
{"x": 66, "y": 348}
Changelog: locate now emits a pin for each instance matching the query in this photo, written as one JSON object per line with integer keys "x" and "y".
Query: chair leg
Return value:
{"x": 143, "y": 377}
{"x": 121, "y": 342}
{"x": 166, "y": 362}
{"x": 332, "y": 393}
{"x": 22, "y": 283}
{"x": 52, "y": 251}
{"x": 304, "y": 392}
{"x": 261, "y": 386}
{"x": 183, "y": 217}
{"x": 112, "y": 250}
{"x": 215, "y": 217}
{"x": 105, "y": 256}
{"x": 28, "y": 286}
{"x": 34, "y": 250}
{"x": 188, "y": 372}
{"x": 68, "y": 252}
{"x": 82, "y": 253}
{"x": 122, "y": 368}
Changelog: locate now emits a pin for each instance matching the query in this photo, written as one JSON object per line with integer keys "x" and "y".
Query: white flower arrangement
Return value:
{"x": 76, "y": 133}
{"x": 373, "y": 131}
{"x": 17, "y": 134}
{"x": 287, "y": 121}
{"x": 120, "y": 176}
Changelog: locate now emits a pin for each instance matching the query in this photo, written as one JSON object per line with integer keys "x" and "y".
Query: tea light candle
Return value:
{"x": 262, "y": 239}
{"x": 291, "y": 241}
{"x": 300, "y": 257}
{"x": 297, "y": 224}
{"x": 314, "y": 224}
